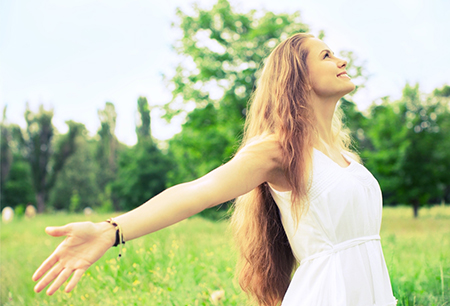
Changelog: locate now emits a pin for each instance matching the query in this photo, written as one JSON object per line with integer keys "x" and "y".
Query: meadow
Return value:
{"x": 186, "y": 263}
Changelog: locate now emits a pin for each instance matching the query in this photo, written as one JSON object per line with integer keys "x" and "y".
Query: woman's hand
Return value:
{"x": 85, "y": 243}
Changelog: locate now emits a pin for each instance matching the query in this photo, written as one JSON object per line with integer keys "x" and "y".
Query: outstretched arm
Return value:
{"x": 86, "y": 242}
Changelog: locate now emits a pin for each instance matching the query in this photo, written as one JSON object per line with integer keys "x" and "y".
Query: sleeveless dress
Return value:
{"x": 337, "y": 241}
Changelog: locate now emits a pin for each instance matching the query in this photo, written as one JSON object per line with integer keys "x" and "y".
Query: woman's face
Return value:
{"x": 327, "y": 75}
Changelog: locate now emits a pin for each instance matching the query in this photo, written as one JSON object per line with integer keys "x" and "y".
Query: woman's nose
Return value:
{"x": 342, "y": 63}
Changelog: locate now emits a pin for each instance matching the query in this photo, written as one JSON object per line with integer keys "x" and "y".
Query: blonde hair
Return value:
{"x": 279, "y": 106}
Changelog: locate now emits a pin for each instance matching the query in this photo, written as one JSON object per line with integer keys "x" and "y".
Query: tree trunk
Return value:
{"x": 416, "y": 208}
{"x": 40, "y": 201}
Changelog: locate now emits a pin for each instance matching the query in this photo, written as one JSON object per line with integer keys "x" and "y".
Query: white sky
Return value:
{"x": 75, "y": 55}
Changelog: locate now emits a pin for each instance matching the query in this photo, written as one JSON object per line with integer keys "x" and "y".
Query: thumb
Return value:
{"x": 57, "y": 231}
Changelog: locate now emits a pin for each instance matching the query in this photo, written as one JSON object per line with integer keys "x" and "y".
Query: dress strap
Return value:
{"x": 342, "y": 246}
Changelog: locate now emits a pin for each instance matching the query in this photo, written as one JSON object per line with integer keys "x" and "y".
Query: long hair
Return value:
{"x": 279, "y": 106}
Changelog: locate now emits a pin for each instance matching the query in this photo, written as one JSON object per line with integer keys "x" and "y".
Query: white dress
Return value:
{"x": 337, "y": 242}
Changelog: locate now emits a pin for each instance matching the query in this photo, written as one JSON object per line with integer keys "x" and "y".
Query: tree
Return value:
{"x": 142, "y": 169}
{"x": 39, "y": 136}
{"x": 420, "y": 179}
{"x": 357, "y": 123}
{"x": 16, "y": 186}
{"x": 410, "y": 148}
{"x": 44, "y": 161}
{"x": 386, "y": 135}
{"x": 443, "y": 92}
{"x": 442, "y": 100}
{"x": 143, "y": 128}
{"x": 77, "y": 178}
{"x": 6, "y": 157}
{"x": 107, "y": 148}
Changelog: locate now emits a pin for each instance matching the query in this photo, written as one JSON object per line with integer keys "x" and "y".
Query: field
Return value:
{"x": 186, "y": 263}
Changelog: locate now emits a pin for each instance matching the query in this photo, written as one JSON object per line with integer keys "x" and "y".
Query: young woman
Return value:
{"x": 303, "y": 197}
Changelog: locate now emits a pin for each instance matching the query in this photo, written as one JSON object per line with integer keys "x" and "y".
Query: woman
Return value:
{"x": 302, "y": 196}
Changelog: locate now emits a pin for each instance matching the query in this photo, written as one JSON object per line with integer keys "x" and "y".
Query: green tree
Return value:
{"x": 420, "y": 181}
{"x": 143, "y": 128}
{"x": 76, "y": 179}
{"x": 441, "y": 98}
{"x": 46, "y": 161}
{"x": 141, "y": 175}
{"x": 142, "y": 169}
{"x": 16, "y": 186}
{"x": 443, "y": 92}
{"x": 107, "y": 149}
{"x": 357, "y": 123}
{"x": 387, "y": 137}
{"x": 410, "y": 148}
{"x": 6, "y": 156}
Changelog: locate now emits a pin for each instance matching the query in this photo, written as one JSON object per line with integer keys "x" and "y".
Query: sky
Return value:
{"x": 75, "y": 55}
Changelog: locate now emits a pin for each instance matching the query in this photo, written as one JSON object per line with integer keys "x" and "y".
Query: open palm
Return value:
{"x": 85, "y": 243}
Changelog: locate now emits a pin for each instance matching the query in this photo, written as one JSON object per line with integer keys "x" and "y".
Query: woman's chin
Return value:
{"x": 351, "y": 87}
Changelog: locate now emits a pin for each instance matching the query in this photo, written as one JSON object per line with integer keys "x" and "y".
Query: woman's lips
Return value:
{"x": 343, "y": 75}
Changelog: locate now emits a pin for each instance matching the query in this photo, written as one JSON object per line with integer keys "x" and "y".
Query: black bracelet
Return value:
{"x": 118, "y": 239}
{"x": 119, "y": 234}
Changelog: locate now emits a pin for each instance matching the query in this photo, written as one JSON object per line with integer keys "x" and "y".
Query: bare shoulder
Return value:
{"x": 264, "y": 150}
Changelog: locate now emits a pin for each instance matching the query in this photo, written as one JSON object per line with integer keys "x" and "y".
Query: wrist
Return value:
{"x": 108, "y": 232}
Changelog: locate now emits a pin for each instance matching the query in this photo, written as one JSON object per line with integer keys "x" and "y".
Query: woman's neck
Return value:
{"x": 324, "y": 112}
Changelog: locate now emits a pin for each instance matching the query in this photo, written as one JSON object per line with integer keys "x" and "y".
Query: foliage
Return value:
{"x": 38, "y": 144}
{"x": 409, "y": 149}
{"x": 107, "y": 151}
{"x": 18, "y": 188}
{"x": 141, "y": 175}
{"x": 357, "y": 123}
{"x": 423, "y": 159}
{"x": 64, "y": 147}
{"x": 15, "y": 180}
{"x": 443, "y": 92}
{"x": 387, "y": 136}
{"x": 142, "y": 169}
{"x": 143, "y": 128}
{"x": 77, "y": 178}
{"x": 185, "y": 263}
{"x": 6, "y": 155}
{"x": 45, "y": 159}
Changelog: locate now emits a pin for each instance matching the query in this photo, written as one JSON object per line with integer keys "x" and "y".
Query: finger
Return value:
{"x": 74, "y": 280}
{"x": 62, "y": 277}
{"x": 54, "y": 272}
{"x": 57, "y": 231}
{"x": 46, "y": 265}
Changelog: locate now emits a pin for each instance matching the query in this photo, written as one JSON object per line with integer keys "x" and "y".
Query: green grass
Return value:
{"x": 184, "y": 264}
{"x": 417, "y": 254}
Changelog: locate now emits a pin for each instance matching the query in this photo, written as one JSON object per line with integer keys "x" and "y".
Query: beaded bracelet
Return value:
{"x": 119, "y": 234}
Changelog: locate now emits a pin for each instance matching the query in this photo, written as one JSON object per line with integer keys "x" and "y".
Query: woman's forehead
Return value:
{"x": 316, "y": 46}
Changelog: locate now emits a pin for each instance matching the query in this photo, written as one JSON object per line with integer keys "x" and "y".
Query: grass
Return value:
{"x": 186, "y": 263}
{"x": 417, "y": 253}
